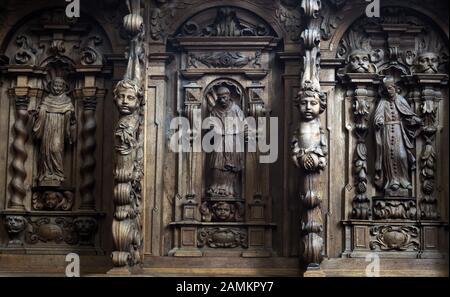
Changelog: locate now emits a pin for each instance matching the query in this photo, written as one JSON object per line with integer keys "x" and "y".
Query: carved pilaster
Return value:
{"x": 128, "y": 173}
{"x": 362, "y": 91}
{"x": 309, "y": 145}
{"x": 429, "y": 96}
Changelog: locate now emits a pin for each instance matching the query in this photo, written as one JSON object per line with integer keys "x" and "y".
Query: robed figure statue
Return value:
{"x": 227, "y": 160}
{"x": 395, "y": 128}
{"x": 54, "y": 125}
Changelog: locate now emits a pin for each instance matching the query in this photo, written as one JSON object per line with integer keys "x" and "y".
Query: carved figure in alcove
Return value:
{"x": 359, "y": 62}
{"x": 396, "y": 126}
{"x": 309, "y": 146}
{"x": 54, "y": 126}
{"x": 226, "y": 162}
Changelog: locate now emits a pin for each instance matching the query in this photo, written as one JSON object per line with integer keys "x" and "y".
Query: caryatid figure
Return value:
{"x": 309, "y": 146}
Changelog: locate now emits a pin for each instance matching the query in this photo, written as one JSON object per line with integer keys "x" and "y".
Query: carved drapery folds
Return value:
{"x": 128, "y": 172}
{"x": 395, "y": 67}
{"x": 309, "y": 145}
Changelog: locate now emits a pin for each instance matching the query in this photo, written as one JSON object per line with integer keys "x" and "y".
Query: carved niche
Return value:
{"x": 395, "y": 69}
{"x": 221, "y": 85}
{"x": 54, "y": 62}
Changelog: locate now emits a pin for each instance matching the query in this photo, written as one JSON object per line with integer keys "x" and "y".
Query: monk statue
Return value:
{"x": 54, "y": 126}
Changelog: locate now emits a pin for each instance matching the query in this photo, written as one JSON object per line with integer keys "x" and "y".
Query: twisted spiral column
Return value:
{"x": 17, "y": 185}
{"x": 88, "y": 147}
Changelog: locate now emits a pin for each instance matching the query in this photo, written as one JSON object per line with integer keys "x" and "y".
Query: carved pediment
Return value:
{"x": 225, "y": 22}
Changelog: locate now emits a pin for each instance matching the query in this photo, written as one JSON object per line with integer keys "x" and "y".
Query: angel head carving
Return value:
{"x": 128, "y": 96}
{"x": 311, "y": 104}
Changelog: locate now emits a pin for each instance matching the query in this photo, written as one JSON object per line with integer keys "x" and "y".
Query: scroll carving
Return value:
{"x": 226, "y": 24}
{"x": 400, "y": 238}
{"x": 222, "y": 237}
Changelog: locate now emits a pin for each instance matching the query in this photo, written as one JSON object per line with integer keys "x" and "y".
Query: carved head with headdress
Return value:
{"x": 128, "y": 96}
{"x": 311, "y": 103}
{"x": 359, "y": 62}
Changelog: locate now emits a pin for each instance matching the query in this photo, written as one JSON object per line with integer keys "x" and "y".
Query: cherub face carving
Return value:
{"x": 309, "y": 108}
{"x": 128, "y": 96}
{"x": 222, "y": 210}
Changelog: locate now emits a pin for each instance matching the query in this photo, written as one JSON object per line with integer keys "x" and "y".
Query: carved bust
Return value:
{"x": 54, "y": 124}
{"x": 359, "y": 62}
{"x": 309, "y": 146}
{"x": 427, "y": 62}
{"x": 128, "y": 96}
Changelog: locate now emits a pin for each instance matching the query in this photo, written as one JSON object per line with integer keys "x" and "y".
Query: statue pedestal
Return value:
{"x": 389, "y": 208}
